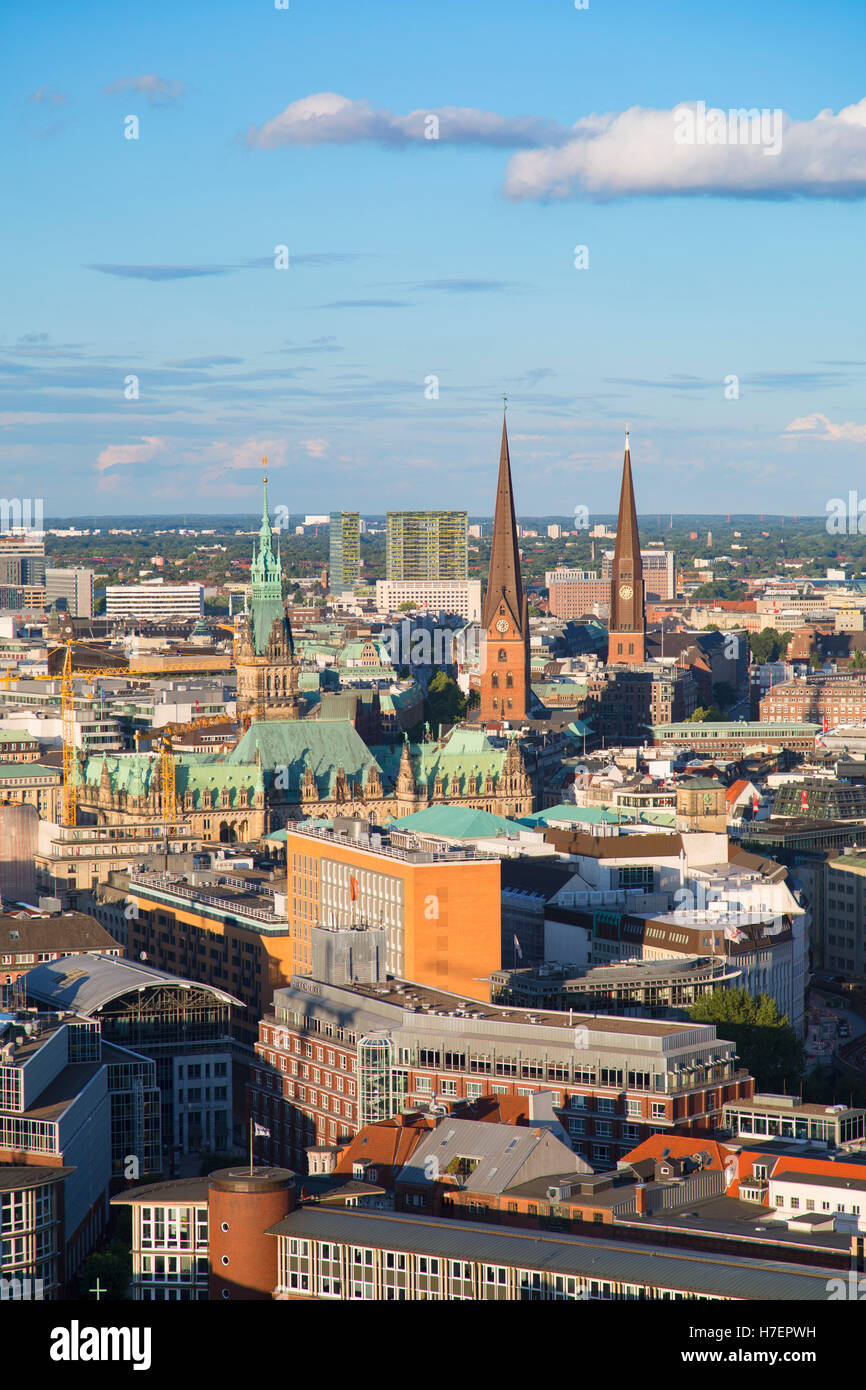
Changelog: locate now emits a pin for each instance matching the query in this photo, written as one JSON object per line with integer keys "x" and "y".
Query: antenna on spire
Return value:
{"x": 504, "y": 404}
{"x": 265, "y": 466}
{"x": 626, "y": 439}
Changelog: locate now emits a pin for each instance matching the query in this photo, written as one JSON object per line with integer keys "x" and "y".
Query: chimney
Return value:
{"x": 640, "y": 1202}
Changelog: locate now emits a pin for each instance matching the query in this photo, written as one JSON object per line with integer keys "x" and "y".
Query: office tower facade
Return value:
{"x": 627, "y": 631}
{"x": 344, "y": 563}
{"x": 505, "y": 616}
{"x": 427, "y": 545}
{"x": 154, "y": 600}
{"x": 72, "y": 588}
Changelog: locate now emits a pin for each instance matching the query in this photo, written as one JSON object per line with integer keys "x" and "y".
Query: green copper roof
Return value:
{"x": 286, "y": 747}
{"x": 9, "y": 771}
{"x": 465, "y": 752}
{"x": 597, "y": 815}
{"x": 138, "y": 774}
{"x": 458, "y": 822}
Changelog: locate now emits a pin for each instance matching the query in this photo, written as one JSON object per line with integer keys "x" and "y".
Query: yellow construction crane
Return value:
{"x": 168, "y": 761}
{"x": 168, "y": 785}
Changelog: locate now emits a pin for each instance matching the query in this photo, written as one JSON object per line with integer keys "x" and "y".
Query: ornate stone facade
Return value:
{"x": 267, "y": 670}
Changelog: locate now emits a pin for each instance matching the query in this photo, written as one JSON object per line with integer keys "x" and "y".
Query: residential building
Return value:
{"x": 28, "y": 939}
{"x": 426, "y": 545}
{"x": 659, "y": 571}
{"x": 32, "y": 784}
{"x": 344, "y": 566}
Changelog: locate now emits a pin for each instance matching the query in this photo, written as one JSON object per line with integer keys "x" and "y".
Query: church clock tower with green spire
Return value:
{"x": 266, "y": 666}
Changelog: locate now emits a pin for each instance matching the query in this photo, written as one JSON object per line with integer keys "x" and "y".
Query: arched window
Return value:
{"x": 503, "y": 654}
{"x": 495, "y": 681}
{"x": 509, "y": 680}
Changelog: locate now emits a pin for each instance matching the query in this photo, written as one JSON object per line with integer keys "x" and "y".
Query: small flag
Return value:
{"x": 353, "y": 888}
{"x": 261, "y": 1130}
{"x": 755, "y": 804}
{"x": 826, "y": 724}
{"x": 517, "y": 947}
{"x": 804, "y": 798}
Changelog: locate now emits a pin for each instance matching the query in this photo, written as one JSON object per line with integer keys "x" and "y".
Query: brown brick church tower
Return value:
{"x": 627, "y": 627}
{"x": 505, "y": 692}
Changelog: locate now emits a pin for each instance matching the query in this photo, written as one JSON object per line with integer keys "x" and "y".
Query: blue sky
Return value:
{"x": 411, "y": 257}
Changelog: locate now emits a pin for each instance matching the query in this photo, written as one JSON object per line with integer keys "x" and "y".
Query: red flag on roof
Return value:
{"x": 353, "y": 888}
{"x": 805, "y": 798}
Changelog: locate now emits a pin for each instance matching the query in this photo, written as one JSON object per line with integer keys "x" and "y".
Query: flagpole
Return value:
{"x": 251, "y": 1146}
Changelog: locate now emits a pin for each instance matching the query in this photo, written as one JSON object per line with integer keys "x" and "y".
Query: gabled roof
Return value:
{"x": 502, "y": 1154}
{"x": 659, "y": 1146}
{"x": 387, "y": 1144}
{"x": 323, "y": 744}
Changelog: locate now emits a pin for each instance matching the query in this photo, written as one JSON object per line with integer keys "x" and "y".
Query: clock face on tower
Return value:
{"x": 502, "y": 625}
{"x": 625, "y": 591}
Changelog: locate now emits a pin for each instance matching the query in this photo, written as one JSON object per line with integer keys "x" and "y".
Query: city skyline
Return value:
{"x": 458, "y": 272}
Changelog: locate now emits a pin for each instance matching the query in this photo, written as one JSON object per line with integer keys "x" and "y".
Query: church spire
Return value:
{"x": 627, "y": 627}
{"x": 505, "y": 687}
{"x": 504, "y": 580}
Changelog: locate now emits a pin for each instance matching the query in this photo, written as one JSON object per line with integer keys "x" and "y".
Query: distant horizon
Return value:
{"x": 549, "y": 518}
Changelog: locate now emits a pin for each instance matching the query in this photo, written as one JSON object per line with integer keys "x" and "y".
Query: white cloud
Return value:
{"x": 118, "y": 455}
{"x": 634, "y": 152}
{"x": 326, "y": 118}
{"x": 47, "y": 96}
{"x": 159, "y": 91}
{"x": 316, "y": 448}
{"x": 819, "y": 427}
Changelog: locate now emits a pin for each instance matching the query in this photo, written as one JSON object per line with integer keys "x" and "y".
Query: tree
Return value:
{"x": 704, "y": 715}
{"x": 766, "y": 1043}
{"x": 111, "y": 1270}
{"x": 768, "y": 645}
{"x": 719, "y": 588}
{"x": 445, "y": 704}
{"x": 725, "y": 694}
{"x": 407, "y": 607}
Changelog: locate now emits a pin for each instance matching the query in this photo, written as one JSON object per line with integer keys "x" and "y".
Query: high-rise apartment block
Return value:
{"x": 427, "y": 545}
{"x": 345, "y": 550}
